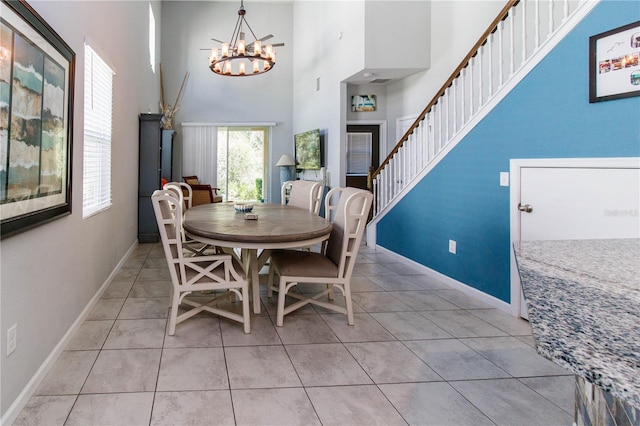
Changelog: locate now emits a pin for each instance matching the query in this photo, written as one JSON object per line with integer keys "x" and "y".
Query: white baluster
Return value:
{"x": 407, "y": 163}
{"x": 376, "y": 196}
{"x": 412, "y": 156}
{"x": 501, "y": 53}
{"x": 419, "y": 147}
{"x": 480, "y": 79}
{"x": 489, "y": 47}
{"x": 402, "y": 167}
{"x": 384, "y": 186}
{"x": 384, "y": 182}
{"x": 455, "y": 105}
{"x": 440, "y": 107}
{"x": 536, "y": 22}
{"x": 550, "y": 20}
{"x": 524, "y": 32}
{"x": 446, "y": 115}
{"x": 472, "y": 63}
{"x": 432, "y": 137}
{"x": 380, "y": 190}
{"x": 512, "y": 44}
{"x": 394, "y": 187}
{"x": 463, "y": 95}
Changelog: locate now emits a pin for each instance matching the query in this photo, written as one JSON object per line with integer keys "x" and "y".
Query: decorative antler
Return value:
{"x": 169, "y": 110}
{"x": 162, "y": 104}
{"x": 184, "y": 80}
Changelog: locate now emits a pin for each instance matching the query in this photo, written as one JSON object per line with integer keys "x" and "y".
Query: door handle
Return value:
{"x": 527, "y": 208}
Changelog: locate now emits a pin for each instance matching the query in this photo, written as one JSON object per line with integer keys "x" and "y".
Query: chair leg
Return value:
{"x": 348, "y": 303}
{"x": 173, "y": 315}
{"x": 246, "y": 312}
{"x": 330, "y": 294}
{"x": 281, "y": 295}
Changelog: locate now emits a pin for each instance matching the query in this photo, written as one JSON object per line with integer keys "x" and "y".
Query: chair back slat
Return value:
{"x": 349, "y": 221}
{"x": 306, "y": 194}
{"x": 168, "y": 210}
{"x": 183, "y": 191}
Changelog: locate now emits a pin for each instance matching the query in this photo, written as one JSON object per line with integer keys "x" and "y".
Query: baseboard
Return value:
{"x": 21, "y": 400}
{"x": 494, "y": 302}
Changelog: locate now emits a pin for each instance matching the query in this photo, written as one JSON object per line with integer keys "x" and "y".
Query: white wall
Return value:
{"x": 187, "y": 27}
{"x": 50, "y": 273}
{"x": 397, "y": 34}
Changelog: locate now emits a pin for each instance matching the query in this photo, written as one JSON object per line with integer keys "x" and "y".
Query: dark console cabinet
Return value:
{"x": 155, "y": 159}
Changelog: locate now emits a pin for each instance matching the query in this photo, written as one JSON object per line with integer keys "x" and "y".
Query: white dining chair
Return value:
{"x": 192, "y": 275}
{"x": 333, "y": 266}
{"x": 179, "y": 189}
{"x": 306, "y": 194}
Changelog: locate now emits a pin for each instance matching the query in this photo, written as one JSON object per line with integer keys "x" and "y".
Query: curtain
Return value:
{"x": 200, "y": 151}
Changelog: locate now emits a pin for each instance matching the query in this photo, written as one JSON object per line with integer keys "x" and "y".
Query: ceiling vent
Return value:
{"x": 380, "y": 80}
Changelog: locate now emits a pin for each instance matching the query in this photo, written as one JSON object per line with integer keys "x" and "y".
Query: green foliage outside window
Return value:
{"x": 240, "y": 163}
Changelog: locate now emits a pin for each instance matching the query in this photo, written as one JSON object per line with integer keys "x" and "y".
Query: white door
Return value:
{"x": 579, "y": 203}
{"x": 575, "y": 199}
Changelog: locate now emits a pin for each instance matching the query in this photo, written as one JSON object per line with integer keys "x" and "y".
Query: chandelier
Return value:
{"x": 239, "y": 59}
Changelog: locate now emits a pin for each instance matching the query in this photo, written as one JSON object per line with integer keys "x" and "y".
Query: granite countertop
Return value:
{"x": 583, "y": 298}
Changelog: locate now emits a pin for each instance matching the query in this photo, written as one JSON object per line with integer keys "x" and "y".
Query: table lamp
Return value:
{"x": 286, "y": 163}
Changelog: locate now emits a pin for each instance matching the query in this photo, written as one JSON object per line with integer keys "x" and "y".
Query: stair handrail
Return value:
{"x": 502, "y": 15}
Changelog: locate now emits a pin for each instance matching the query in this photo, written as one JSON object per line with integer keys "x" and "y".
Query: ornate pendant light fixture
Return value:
{"x": 237, "y": 58}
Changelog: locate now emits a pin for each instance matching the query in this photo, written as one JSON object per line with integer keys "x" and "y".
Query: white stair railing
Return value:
{"x": 523, "y": 32}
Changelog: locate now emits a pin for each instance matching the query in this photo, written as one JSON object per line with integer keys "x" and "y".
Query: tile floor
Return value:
{"x": 419, "y": 353}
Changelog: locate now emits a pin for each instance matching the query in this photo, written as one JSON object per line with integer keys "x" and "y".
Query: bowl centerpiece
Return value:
{"x": 243, "y": 206}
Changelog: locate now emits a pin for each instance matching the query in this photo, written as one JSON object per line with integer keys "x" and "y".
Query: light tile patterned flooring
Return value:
{"x": 420, "y": 353}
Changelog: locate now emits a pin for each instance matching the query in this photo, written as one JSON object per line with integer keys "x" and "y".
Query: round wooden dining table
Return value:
{"x": 277, "y": 226}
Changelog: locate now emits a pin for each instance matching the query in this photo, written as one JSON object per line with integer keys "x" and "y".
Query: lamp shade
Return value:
{"x": 285, "y": 160}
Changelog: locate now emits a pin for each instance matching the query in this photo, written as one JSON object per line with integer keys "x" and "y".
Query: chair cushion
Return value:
{"x": 303, "y": 263}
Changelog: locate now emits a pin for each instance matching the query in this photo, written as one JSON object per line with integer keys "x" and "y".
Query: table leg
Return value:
{"x": 253, "y": 271}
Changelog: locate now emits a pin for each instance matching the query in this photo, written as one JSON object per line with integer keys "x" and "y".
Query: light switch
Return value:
{"x": 504, "y": 178}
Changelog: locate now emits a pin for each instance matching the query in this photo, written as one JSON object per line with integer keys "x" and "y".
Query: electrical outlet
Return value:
{"x": 452, "y": 246}
{"x": 12, "y": 339}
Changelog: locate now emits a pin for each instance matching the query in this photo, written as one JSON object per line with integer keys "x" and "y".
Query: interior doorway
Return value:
{"x": 363, "y": 153}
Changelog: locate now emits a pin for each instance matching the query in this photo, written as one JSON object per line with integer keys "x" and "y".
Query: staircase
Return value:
{"x": 522, "y": 34}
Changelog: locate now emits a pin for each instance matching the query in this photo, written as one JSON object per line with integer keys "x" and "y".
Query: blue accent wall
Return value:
{"x": 547, "y": 115}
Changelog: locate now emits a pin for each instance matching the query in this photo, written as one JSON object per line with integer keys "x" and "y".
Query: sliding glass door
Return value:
{"x": 242, "y": 155}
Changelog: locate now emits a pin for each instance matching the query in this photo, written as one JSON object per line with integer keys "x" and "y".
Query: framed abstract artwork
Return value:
{"x": 614, "y": 63}
{"x": 360, "y": 103}
{"x": 36, "y": 115}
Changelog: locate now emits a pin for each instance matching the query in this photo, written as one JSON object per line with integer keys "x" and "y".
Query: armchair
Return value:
{"x": 202, "y": 193}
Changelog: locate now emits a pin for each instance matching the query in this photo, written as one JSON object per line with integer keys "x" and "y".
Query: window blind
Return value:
{"x": 98, "y": 103}
{"x": 359, "y": 146}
